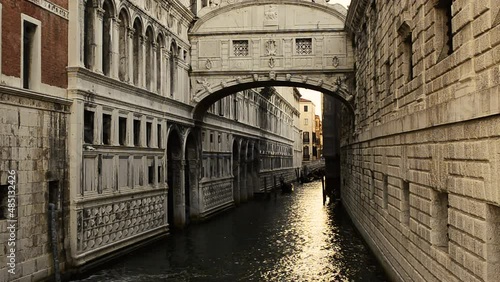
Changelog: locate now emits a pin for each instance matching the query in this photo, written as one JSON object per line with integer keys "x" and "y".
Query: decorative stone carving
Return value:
{"x": 205, "y": 85}
{"x": 223, "y": 84}
{"x": 304, "y": 78}
{"x": 288, "y": 77}
{"x": 271, "y": 62}
{"x": 208, "y": 64}
{"x": 255, "y": 77}
{"x": 170, "y": 20}
{"x": 272, "y": 75}
{"x": 320, "y": 82}
{"x": 103, "y": 225}
{"x": 159, "y": 10}
{"x": 271, "y": 15}
{"x": 335, "y": 61}
{"x": 271, "y": 48}
{"x": 147, "y": 5}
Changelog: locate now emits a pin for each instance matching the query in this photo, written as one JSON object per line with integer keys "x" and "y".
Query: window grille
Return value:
{"x": 240, "y": 48}
{"x": 303, "y": 46}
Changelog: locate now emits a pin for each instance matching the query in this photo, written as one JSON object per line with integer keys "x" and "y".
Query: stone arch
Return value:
{"x": 149, "y": 42}
{"x": 172, "y": 67}
{"x": 123, "y": 44}
{"x": 107, "y": 29}
{"x": 160, "y": 46}
{"x": 243, "y": 170}
{"x": 88, "y": 34}
{"x": 136, "y": 49}
{"x": 209, "y": 92}
{"x": 191, "y": 174}
{"x": 175, "y": 179}
{"x": 236, "y": 170}
{"x": 206, "y": 17}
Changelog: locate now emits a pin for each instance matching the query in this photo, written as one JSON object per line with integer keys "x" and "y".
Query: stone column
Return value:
{"x": 142, "y": 65}
{"x": 130, "y": 59}
{"x": 153, "y": 65}
{"x": 115, "y": 52}
{"x": 98, "y": 22}
{"x": 162, "y": 59}
{"x": 81, "y": 34}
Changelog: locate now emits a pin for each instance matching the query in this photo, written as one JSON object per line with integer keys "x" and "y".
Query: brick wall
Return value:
{"x": 420, "y": 168}
{"x": 54, "y": 43}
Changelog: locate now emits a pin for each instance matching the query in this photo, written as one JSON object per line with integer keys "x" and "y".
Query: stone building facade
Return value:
{"x": 420, "y": 165}
{"x": 308, "y": 127}
{"x": 34, "y": 114}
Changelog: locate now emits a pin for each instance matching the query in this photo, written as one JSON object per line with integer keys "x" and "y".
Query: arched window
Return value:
{"x": 136, "y": 50}
{"x": 88, "y": 35}
{"x": 159, "y": 47}
{"x": 173, "y": 67}
{"x": 106, "y": 37}
{"x": 149, "y": 57}
{"x": 123, "y": 46}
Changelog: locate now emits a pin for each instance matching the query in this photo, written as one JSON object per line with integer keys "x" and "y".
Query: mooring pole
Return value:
{"x": 323, "y": 186}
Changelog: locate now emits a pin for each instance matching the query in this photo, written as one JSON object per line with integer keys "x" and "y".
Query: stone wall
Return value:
{"x": 33, "y": 143}
{"x": 420, "y": 166}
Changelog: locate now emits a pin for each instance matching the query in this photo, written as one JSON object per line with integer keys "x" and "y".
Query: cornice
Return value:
{"x": 356, "y": 11}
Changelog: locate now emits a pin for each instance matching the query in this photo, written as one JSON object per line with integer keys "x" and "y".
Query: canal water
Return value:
{"x": 289, "y": 237}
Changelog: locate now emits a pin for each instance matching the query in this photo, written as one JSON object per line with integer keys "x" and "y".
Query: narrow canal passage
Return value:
{"x": 290, "y": 237}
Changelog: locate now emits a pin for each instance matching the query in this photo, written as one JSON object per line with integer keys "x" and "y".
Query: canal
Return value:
{"x": 289, "y": 237}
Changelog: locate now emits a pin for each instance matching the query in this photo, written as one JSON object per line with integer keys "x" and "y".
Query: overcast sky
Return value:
{"x": 312, "y": 95}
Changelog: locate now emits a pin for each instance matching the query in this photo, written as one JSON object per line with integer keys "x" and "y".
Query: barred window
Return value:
{"x": 303, "y": 46}
{"x": 240, "y": 48}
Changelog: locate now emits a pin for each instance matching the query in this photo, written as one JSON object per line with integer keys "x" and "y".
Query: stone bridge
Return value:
{"x": 239, "y": 45}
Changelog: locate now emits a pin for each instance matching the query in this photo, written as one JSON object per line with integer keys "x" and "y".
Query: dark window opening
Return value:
{"x": 54, "y": 193}
{"x": 406, "y": 203}
{"x": 106, "y": 129}
{"x": 306, "y": 137}
{"x": 151, "y": 175}
{"x": 441, "y": 237}
{"x": 149, "y": 127}
{"x": 88, "y": 127}
{"x": 137, "y": 132}
{"x": 211, "y": 138}
{"x": 88, "y": 37}
{"x": 159, "y": 174}
{"x": 408, "y": 54}
{"x": 306, "y": 108}
{"x": 28, "y": 39}
{"x": 122, "y": 130}
{"x": 445, "y": 15}
{"x": 158, "y": 135}
{"x": 4, "y": 202}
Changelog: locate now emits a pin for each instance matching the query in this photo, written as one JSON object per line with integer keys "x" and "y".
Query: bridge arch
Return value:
{"x": 268, "y": 43}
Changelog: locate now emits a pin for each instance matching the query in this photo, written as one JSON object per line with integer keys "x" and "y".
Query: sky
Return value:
{"x": 312, "y": 95}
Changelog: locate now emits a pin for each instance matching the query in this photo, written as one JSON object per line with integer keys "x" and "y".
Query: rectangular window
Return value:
{"x": 405, "y": 203}
{"x": 385, "y": 194}
{"x": 106, "y": 129}
{"x": 372, "y": 185}
{"x": 122, "y": 130}
{"x": 4, "y": 203}
{"x": 408, "y": 57}
{"x": 158, "y": 135}
{"x": 137, "y": 132}
{"x": 439, "y": 220}
{"x": 303, "y": 46}
{"x": 240, "y": 48}
{"x": 306, "y": 108}
{"x": 88, "y": 127}
{"x": 306, "y": 137}
{"x": 149, "y": 127}
{"x": 29, "y": 48}
{"x": 444, "y": 28}
{"x": 306, "y": 121}
{"x": 151, "y": 174}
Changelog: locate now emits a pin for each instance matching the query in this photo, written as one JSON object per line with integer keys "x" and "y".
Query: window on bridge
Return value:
{"x": 303, "y": 46}
{"x": 240, "y": 48}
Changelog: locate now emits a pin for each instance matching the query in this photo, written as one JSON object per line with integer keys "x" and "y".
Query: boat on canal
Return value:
{"x": 285, "y": 187}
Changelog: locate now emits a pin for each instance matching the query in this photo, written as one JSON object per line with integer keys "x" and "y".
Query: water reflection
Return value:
{"x": 288, "y": 238}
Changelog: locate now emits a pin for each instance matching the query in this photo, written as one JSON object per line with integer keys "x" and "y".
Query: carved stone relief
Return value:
{"x": 271, "y": 48}
{"x": 270, "y": 15}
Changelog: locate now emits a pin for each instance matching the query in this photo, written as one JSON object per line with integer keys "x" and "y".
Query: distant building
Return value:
{"x": 308, "y": 127}
{"x": 318, "y": 129}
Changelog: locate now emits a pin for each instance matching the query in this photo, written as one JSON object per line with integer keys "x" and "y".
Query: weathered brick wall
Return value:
{"x": 54, "y": 43}
{"x": 420, "y": 168}
{"x": 33, "y": 143}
